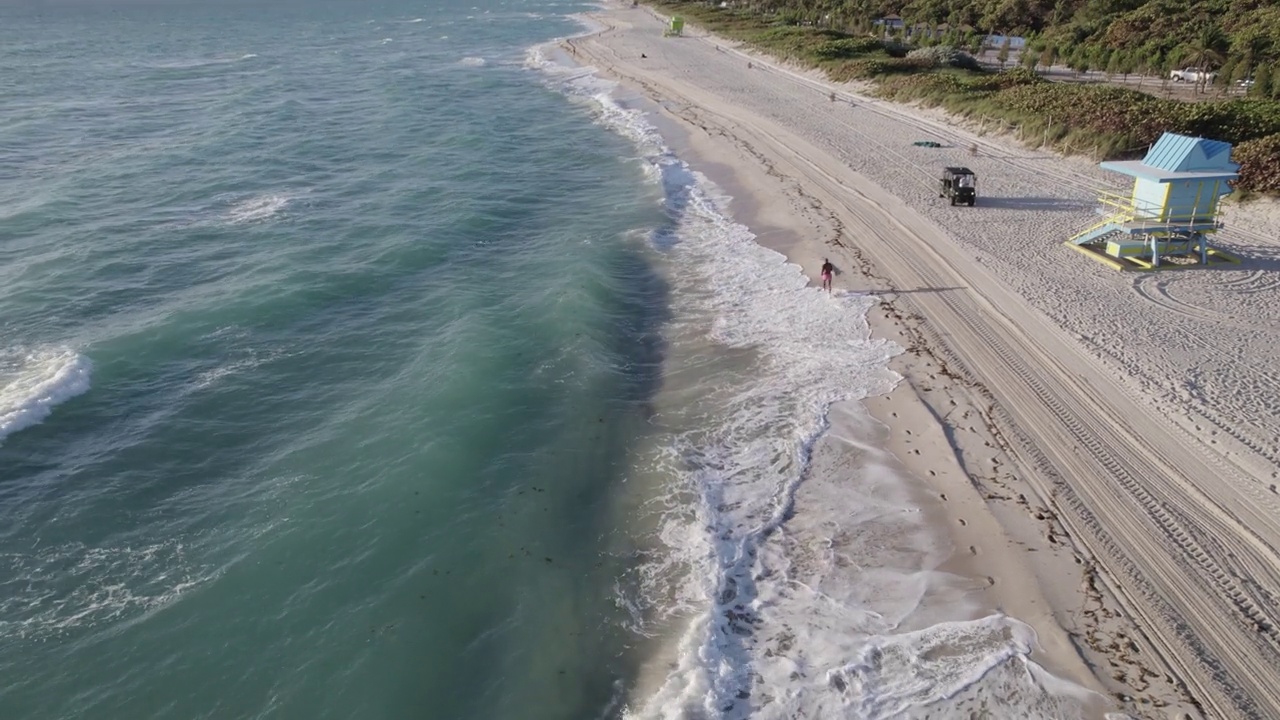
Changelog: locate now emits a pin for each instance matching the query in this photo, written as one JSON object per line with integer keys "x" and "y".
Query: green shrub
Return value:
{"x": 943, "y": 56}
{"x": 846, "y": 48}
{"x": 1018, "y": 76}
{"x": 1259, "y": 164}
{"x": 895, "y": 49}
{"x": 871, "y": 68}
{"x": 1234, "y": 121}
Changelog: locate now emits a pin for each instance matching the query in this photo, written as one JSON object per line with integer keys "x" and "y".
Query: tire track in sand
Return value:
{"x": 1176, "y": 555}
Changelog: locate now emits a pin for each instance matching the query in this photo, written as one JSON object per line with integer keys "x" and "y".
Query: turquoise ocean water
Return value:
{"x": 351, "y": 338}
{"x": 372, "y": 360}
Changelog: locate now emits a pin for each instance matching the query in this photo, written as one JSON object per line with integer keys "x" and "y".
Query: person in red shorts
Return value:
{"x": 827, "y": 270}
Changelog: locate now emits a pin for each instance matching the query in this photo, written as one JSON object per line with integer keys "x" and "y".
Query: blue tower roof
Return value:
{"x": 1179, "y": 157}
{"x": 1179, "y": 153}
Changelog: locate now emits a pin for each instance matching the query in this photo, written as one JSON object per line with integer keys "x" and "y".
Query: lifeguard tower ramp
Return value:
{"x": 1166, "y": 222}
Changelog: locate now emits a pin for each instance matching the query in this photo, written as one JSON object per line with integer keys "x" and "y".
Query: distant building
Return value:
{"x": 995, "y": 41}
{"x": 890, "y": 22}
{"x": 920, "y": 30}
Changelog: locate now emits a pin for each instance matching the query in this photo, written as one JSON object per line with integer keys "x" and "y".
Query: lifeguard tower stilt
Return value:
{"x": 1165, "y": 223}
{"x": 675, "y": 28}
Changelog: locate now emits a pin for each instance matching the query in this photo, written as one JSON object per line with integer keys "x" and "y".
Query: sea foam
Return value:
{"x": 258, "y": 207}
{"x": 33, "y": 382}
{"x": 831, "y": 613}
{"x": 192, "y": 64}
{"x": 68, "y": 587}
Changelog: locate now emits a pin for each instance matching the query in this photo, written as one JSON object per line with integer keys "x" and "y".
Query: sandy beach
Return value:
{"x": 1101, "y": 447}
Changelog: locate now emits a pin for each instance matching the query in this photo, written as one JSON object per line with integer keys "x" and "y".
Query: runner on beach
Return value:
{"x": 827, "y": 270}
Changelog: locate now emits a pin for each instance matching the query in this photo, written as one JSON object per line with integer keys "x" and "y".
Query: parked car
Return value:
{"x": 1192, "y": 75}
{"x": 1245, "y": 83}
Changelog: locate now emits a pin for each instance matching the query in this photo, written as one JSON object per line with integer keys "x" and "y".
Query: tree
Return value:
{"x": 1127, "y": 65}
{"x": 1112, "y": 68}
{"x": 1100, "y": 58}
{"x": 1029, "y": 59}
{"x": 1251, "y": 49}
{"x": 1003, "y": 56}
{"x": 1206, "y": 52}
{"x": 1048, "y": 56}
{"x": 1241, "y": 70}
{"x": 1223, "y": 79}
{"x": 1262, "y": 82}
{"x": 1079, "y": 60}
{"x": 1161, "y": 64}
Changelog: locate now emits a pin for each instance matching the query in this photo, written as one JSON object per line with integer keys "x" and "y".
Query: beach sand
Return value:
{"x": 1102, "y": 447}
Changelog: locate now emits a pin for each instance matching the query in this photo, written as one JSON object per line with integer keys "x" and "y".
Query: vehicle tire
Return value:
{"x": 953, "y": 201}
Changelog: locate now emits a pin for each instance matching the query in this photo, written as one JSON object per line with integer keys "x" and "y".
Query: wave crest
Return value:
{"x": 32, "y": 382}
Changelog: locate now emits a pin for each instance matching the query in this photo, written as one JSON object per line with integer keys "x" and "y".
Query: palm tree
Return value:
{"x": 1226, "y": 75}
{"x": 1206, "y": 53}
{"x": 1255, "y": 48}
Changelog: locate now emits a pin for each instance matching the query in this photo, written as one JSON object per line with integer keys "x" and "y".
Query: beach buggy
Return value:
{"x": 960, "y": 185}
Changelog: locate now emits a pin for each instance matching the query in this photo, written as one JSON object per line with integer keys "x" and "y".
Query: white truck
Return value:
{"x": 1192, "y": 75}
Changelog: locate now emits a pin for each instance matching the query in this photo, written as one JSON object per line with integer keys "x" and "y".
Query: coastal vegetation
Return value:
{"x": 925, "y": 52}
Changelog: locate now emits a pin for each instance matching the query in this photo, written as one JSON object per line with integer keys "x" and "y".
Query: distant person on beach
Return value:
{"x": 827, "y": 270}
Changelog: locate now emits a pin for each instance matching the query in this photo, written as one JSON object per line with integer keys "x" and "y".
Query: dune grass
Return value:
{"x": 1099, "y": 120}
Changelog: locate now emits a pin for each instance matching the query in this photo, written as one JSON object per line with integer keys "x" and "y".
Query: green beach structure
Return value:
{"x": 1166, "y": 221}
{"x": 675, "y": 28}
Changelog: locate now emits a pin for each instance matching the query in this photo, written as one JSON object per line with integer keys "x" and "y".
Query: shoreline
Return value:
{"x": 918, "y": 433}
{"x": 951, "y": 421}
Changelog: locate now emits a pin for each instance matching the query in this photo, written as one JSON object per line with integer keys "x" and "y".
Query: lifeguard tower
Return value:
{"x": 675, "y": 28}
{"x": 1165, "y": 223}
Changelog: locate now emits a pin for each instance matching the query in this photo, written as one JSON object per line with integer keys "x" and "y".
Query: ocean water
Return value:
{"x": 370, "y": 360}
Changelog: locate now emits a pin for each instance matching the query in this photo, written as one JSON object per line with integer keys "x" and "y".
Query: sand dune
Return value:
{"x": 1129, "y": 418}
